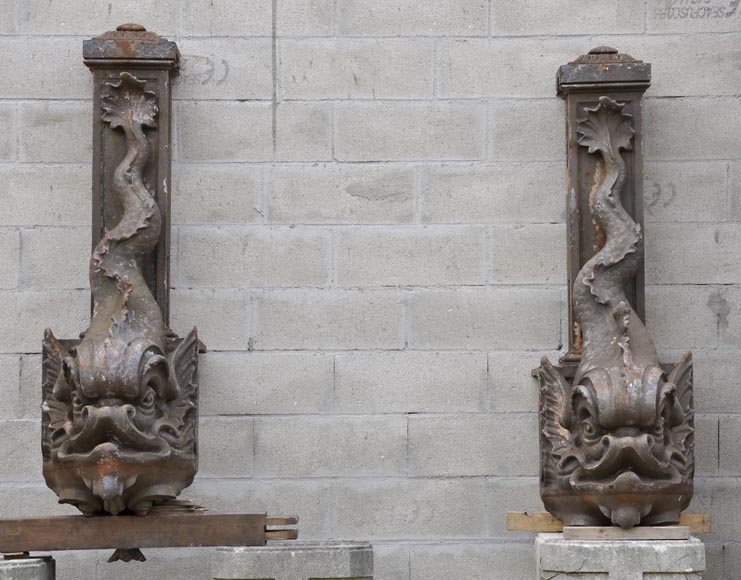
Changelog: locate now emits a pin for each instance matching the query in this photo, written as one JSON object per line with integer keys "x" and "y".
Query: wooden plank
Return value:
{"x": 189, "y": 529}
{"x": 545, "y": 522}
{"x": 615, "y": 533}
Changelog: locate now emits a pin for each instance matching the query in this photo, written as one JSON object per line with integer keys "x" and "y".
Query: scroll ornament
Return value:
{"x": 120, "y": 405}
{"x": 617, "y": 443}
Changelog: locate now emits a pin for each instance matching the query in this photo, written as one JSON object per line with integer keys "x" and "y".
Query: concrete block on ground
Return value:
{"x": 619, "y": 560}
{"x": 295, "y": 561}
{"x": 42, "y": 568}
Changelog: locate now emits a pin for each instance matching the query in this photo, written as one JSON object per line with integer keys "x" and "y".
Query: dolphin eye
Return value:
{"x": 148, "y": 399}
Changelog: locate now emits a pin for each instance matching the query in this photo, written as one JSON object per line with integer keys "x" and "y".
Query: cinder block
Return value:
{"x": 225, "y": 131}
{"x": 55, "y": 258}
{"x": 727, "y": 321}
{"x": 427, "y": 256}
{"x": 7, "y": 19}
{"x": 303, "y": 132}
{"x": 493, "y": 561}
{"x": 304, "y": 17}
{"x": 410, "y": 382}
{"x": 528, "y": 192}
{"x": 9, "y": 493}
{"x": 685, "y": 17}
{"x": 693, "y": 253}
{"x": 20, "y": 452}
{"x": 729, "y": 432}
{"x": 35, "y": 500}
{"x": 529, "y": 130}
{"x": 225, "y": 18}
{"x": 732, "y": 564}
{"x": 735, "y": 191}
{"x": 226, "y": 446}
{"x": 691, "y": 128}
{"x": 337, "y": 319}
{"x": 473, "y": 444}
{"x": 7, "y": 132}
{"x": 41, "y": 568}
{"x": 687, "y": 317}
{"x": 513, "y": 388}
{"x": 685, "y": 192}
{"x": 356, "y": 69}
{"x": 310, "y": 499}
{"x": 707, "y": 444}
{"x": 162, "y": 563}
{"x": 10, "y": 253}
{"x": 510, "y": 494}
{"x": 390, "y": 562}
{"x": 339, "y": 194}
{"x": 422, "y": 508}
{"x": 223, "y": 317}
{"x": 330, "y": 446}
{"x": 404, "y": 18}
{"x": 51, "y": 131}
{"x": 409, "y": 131}
{"x": 527, "y": 254}
{"x": 216, "y": 194}
{"x": 67, "y": 79}
{"x": 677, "y": 60}
{"x": 266, "y": 384}
{"x": 10, "y": 370}
{"x": 713, "y": 373}
{"x": 254, "y": 256}
{"x": 57, "y": 195}
{"x": 507, "y": 68}
{"x": 24, "y": 315}
{"x": 225, "y": 68}
{"x": 503, "y": 318}
{"x": 718, "y": 497}
{"x": 80, "y": 18}
{"x": 540, "y": 17}
{"x": 74, "y": 565}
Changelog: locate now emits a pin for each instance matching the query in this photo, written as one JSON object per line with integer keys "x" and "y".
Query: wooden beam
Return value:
{"x": 194, "y": 529}
{"x": 615, "y": 533}
{"x": 545, "y": 522}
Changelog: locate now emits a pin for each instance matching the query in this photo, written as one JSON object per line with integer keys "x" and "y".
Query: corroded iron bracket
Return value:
{"x": 120, "y": 405}
{"x": 616, "y": 430}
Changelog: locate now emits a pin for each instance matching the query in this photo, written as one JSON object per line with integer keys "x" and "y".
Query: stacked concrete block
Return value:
{"x": 383, "y": 182}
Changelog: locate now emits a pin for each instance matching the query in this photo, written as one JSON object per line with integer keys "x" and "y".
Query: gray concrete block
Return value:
{"x": 303, "y": 132}
{"x": 216, "y": 194}
{"x": 310, "y": 499}
{"x": 41, "y": 568}
{"x": 162, "y": 564}
{"x": 20, "y": 453}
{"x": 707, "y": 443}
{"x": 67, "y": 79}
{"x": 620, "y": 560}
{"x": 504, "y": 318}
{"x": 295, "y": 561}
{"x": 507, "y": 68}
{"x": 55, "y": 258}
{"x": 473, "y": 444}
{"x": 715, "y": 371}
{"x": 422, "y": 508}
{"x": 30, "y": 386}
{"x": 728, "y": 322}
{"x": 410, "y": 382}
{"x": 527, "y": 254}
{"x": 717, "y": 16}
{"x": 735, "y": 190}
{"x": 225, "y": 68}
{"x": 51, "y": 131}
{"x": 24, "y": 315}
{"x": 10, "y": 253}
{"x": 225, "y": 131}
{"x": 510, "y": 494}
{"x": 356, "y": 69}
{"x": 35, "y": 500}
{"x": 7, "y": 19}
{"x": 390, "y": 562}
{"x": 336, "y": 320}
{"x": 8, "y": 137}
{"x": 76, "y": 565}
{"x": 330, "y": 446}
{"x": 691, "y": 128}
{"x": 512, "y": 388}
{"x": 528, "y": 192}
{"x": 685, "y": 192}
{"x": 404, "y": 18}
{"x": 409, "y": 131}
{"x": 426, "y": 256}
{"x": 687, "y": 317}
{"x": 490, "y": 561}
{"x": 258, "y": 256}
{"x": 57, "y": 195}
{"x": 223, "y": 317}
{"x": 718, "y": 496}
{"x": 226, "y": 18}
{"x": 513, "y": 124}
{"x": 338, "y": 194}
{"x": 10, "y": 370}
{"x": 729, "y": 434}
{"x": 265, "y": 384}
{"x": 304, "y": 17}
{"x": 541, "y": 17}
{"x": 226, "y": 446}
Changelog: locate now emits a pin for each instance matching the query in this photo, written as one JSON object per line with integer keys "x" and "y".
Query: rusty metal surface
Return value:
{"x": 120, "y": 406}
{"x": 616, "y": 433}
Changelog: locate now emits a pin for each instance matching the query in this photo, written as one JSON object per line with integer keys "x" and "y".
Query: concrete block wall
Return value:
{"x": 368, "y": 207}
